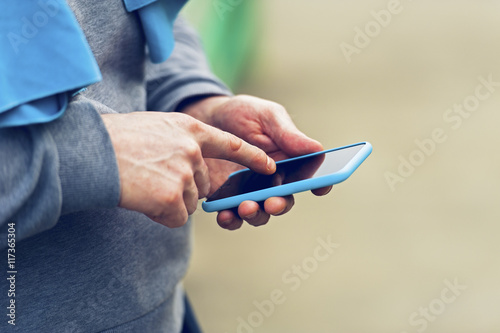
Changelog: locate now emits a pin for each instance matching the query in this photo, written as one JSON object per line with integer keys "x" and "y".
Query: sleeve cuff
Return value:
{"x": 88, "y": 169}
{"x": 169, "y": 102}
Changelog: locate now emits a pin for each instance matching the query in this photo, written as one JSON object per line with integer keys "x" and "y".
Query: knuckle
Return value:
{"x": 194, "y": 125}
{"x": 173, "y": 214}
{"x": 191, "y": 208}
{"x": 235, "y": 143}
{"x": 176, "y": 117}
{"x": 176, "y": 222}
{"x": 276, "y": 107}
{"x": 171, "y": 197}
{"x": 192, "y": 151}
{"x": 185, "y": 177}
{"x": 204, "y": 190}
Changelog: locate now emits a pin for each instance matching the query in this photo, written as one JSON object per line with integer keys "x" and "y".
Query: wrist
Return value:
{"x": 203, "y": 108}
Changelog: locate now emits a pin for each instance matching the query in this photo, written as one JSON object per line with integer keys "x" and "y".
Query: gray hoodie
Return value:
{"x": 81, "y": 263}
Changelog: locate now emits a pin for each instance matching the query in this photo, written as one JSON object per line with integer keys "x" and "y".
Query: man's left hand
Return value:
{"x": 264, "y": 124}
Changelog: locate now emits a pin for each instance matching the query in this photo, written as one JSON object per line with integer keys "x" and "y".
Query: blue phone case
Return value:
{"x": 295, "y": 187}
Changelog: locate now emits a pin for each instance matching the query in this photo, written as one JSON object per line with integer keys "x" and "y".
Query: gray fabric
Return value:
{"x": 181, "y": 69}
{"x": 83, "y": 264}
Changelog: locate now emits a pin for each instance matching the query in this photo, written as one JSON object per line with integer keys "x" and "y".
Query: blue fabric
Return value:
{"x": 43, "y": 53}
{"x": 132, "y": 5}
{"x": 45, "y": 57}
{"x": 39, "y": 111}
{"x": 157, "y": 21}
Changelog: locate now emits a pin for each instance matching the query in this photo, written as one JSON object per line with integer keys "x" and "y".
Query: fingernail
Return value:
{"x": 270, "y": 163}
{"x": 227, "y": 221}
{"x": 251, "y": 216}
{"x": 281, "y": 211}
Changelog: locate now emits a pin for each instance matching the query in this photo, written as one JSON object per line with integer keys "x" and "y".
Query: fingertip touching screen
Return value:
{"x": 288, "y": 171}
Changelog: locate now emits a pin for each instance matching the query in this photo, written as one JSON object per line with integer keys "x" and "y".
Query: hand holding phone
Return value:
{"x": 298, "y": 174}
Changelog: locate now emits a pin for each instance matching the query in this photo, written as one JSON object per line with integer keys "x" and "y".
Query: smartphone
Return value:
{"x": 298, "y": 174}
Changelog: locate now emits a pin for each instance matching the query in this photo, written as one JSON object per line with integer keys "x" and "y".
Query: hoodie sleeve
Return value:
{"x": 47, "y": 170}
{"x": 184, "y": 75}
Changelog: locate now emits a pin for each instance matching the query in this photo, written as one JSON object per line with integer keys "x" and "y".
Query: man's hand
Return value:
{"x": 161, "y": 161}
{"x": 264, "y": 124}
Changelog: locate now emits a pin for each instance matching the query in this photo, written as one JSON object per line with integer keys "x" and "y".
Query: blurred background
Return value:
{"x": 416, "y": 229}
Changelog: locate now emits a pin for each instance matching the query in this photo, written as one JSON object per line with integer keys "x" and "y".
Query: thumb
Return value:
{"x": 219, "y": 144}
{"x": 289, "y": 138}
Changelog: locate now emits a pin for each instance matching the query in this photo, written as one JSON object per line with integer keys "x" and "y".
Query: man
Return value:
{"x": 82, "y": 191}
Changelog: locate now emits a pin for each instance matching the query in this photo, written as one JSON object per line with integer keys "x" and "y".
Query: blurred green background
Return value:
{"x": 400, "y": 250}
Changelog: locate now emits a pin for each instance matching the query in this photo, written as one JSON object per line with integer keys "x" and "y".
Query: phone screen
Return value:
{"x": 287, "y": 172}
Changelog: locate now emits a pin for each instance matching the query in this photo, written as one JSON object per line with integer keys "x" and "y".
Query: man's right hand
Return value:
{"x": 161, "y": 161}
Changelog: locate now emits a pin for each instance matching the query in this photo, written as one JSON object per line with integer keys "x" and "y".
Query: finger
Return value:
{"x": 229, "y": 220}
{"x": 286, "y": 135}
{"x": 279, "y": 205}
{"x": 175, "y": 215}
{"x": 251, "y": 212}
{"x": 202, "y": 179}
{"x": 215, "y": 143}
{"x": 297, "y": 143}
{"x": 190, "y": 196}
{"x": 200, "y": 175}
{"x": 169, "y": 221}
{"x": 322, "y": 191}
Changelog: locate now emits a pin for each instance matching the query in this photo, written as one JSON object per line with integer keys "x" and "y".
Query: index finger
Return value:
{"x": 215, "y": 143}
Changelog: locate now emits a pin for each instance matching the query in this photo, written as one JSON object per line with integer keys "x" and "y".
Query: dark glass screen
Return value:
{"x": 287, "y": 172}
